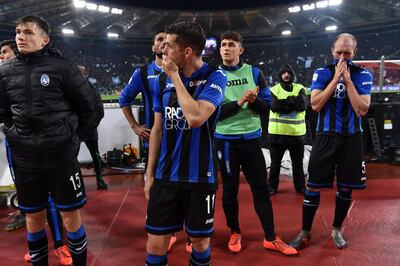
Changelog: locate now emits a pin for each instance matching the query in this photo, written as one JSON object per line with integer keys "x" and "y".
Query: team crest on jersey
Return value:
{"x": 44, "y": 80}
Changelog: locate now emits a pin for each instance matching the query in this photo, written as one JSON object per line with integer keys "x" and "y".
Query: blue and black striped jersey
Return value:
{"x": 142, "y": 81}
{"x": 338, "y": 116}
{"x": 186, "y": 154}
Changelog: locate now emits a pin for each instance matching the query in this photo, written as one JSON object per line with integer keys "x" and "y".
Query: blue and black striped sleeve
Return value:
{"x": 131, "y": 90}
{"x": 157, "y": 101}
{"x": 363, "y": 82}
{"x": 320, "y": 79}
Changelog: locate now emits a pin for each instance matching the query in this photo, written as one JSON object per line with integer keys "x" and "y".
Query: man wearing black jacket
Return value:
{"x": 287, "y": 128}
{"x": 91, "y": 139}
{"x": 44, "y": 103}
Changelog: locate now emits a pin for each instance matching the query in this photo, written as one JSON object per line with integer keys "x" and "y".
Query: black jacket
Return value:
{"x": 84, "y": 136}
{"x": 44, "y": 103}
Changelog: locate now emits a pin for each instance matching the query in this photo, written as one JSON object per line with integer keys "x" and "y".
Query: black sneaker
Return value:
{"x": 338, "y": 239}
{"x": 18, "y": 222}
{"x": 301, "y": 241}
{"x": 101, "y": 184}
{"x": 272, "y": 191}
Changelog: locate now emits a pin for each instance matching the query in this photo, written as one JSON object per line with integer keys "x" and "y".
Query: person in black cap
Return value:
{"x": 287, "y": 128}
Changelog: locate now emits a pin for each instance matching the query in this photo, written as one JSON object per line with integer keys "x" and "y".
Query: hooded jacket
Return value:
{"x": 292, "y": 103}
{"x": 288, "y": 105}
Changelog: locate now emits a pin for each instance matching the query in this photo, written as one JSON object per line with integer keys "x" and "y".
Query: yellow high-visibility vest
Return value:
{"x": 292, "y": 124}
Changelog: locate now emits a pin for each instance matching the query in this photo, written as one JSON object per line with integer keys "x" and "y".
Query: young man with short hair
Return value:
{"x": 182, "y": 189}
{"x": 51, "y": 102}
{"x": 238, "y": 146}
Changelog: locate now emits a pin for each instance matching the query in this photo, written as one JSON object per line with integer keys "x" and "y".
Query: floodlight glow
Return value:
{"x": 308, "y": 7}
{"x": 112, "y": 35}
{"x": 335, "y": 2}
{"x": 321, "y": 4}
{"x": 116, "y": 11}
{"x": 286, "y": 32}
{"x": 294, "y": 9}
{"x": 67, "y": 31}
{"x": 331, "y": 28}
{"x": 104, "y": 9}
{"x": 91, "y": 6}
{"x": 79, "y": 4}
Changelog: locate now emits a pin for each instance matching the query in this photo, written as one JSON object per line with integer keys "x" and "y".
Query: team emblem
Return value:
{"x": 44, "y": 80}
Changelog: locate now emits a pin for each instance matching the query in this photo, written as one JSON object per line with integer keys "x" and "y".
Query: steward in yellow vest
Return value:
{"x": 287, "y": 128}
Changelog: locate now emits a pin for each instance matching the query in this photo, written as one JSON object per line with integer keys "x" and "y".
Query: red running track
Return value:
{"x": 114, "y": 221}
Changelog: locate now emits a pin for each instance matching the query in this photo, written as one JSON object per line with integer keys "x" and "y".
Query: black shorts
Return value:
{"x": 62, "y": 180}
{"x": 337, "y": 155}
{"x": 171, "y": 208}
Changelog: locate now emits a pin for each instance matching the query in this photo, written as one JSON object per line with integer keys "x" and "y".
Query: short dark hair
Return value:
{"x": 348, "y": 35}
{"x": 158, "y": 32}
{"x": 232, "y": 35}
{"x": 11, "y": 43}
{"x": 39, "y": 21}
{"x": 189, "y": 34}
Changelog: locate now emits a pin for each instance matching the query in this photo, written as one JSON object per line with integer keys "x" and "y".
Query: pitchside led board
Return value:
{"x": 391, "y": 74}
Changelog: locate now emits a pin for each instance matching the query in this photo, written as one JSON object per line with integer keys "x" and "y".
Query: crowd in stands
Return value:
{"x": 111, "y": 62}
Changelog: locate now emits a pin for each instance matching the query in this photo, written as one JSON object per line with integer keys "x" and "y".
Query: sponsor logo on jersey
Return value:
{"x": 195, "y": 83}
{"x": 174, "y": 119}
{"x": 367, "y": 83}
{"x": 215, "y": 86}
{"x": 236, "y": 82}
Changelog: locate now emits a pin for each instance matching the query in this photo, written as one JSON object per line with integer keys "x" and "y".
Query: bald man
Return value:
{"x": 340, "y": 93}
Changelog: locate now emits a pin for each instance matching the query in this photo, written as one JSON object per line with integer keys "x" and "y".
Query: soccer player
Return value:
{"x": 8, "y": 50}
{"x": 237, "y": 136}
{"x": 142, "y": 81}
{"x": 287, "y": 128}
{"x": 44, "y": 102}
{"x": 341, "y": 96}
{"x": 182, "y": 189}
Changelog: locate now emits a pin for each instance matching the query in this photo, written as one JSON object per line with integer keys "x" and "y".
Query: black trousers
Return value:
{"x": 93, "y": 148}
{"x": 246, "y": 154}
{"x": 296, "y": 154}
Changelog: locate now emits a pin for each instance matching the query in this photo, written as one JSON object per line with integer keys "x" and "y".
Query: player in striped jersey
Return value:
{"x": 182, "y": 189}
{"x": 341, "y": 96}
{"x": 142, "y": 81}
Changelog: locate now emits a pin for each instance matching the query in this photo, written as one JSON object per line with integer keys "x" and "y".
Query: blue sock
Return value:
{"x": 156, "y": 260}
{"x": 77, "y": 244}
{"x": 38, "y": 249}
{"x": 200, "y": 258}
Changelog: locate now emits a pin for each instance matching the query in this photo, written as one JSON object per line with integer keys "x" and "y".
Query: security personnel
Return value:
{"x": 287, "y": 128}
